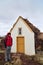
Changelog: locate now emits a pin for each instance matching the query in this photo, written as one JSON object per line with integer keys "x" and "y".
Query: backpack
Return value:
{"x": 4, "y": 43}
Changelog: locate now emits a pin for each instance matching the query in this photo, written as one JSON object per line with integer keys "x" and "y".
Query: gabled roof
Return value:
{"x": 34, "y": 29}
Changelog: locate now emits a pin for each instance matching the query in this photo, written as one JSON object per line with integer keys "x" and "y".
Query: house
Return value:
{"x": 40, "y": 37}
{"x": 24, "y": 35}
{"x": 0, "y": 39}
{"x": 1, "y": 44}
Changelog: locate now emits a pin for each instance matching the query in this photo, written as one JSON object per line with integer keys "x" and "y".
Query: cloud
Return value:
{"x": 11, "y": 9}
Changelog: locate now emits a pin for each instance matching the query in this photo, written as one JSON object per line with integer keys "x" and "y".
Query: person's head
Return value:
{"x": 9, "y": 34}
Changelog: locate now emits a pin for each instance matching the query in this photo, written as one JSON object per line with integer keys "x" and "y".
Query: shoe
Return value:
{"x": 9, "y": 60}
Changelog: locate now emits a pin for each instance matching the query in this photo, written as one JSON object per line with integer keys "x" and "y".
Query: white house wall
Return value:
{"x": 28, "y": 35}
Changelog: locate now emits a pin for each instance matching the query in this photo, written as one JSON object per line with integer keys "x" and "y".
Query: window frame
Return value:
{"x": 20, "y": 31}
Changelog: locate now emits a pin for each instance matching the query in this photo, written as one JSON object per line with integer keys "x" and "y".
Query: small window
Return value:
{"x": 20, "y": 31}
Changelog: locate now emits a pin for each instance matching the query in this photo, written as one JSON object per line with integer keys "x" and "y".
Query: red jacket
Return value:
{"x": 8, "y": 41}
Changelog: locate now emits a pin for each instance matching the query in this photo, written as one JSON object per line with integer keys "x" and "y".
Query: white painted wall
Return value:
{"x": 29, "y": 38}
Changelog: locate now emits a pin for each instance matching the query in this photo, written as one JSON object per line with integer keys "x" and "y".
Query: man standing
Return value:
{"x": 8, "y": 42}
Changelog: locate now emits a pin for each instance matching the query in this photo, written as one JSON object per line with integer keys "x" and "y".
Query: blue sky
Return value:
{"x": 11, "y": 9}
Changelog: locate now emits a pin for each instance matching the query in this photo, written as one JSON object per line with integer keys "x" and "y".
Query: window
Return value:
{"x": 20, "y": 31}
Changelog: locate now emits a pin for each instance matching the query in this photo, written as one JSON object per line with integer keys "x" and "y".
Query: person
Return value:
{"x": 8, "y": 42}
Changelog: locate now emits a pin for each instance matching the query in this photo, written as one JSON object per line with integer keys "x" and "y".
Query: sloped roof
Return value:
{"x": 34, "y": 29}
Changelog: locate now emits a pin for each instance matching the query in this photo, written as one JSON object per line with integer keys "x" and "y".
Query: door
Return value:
{"x": 20, "y": 44}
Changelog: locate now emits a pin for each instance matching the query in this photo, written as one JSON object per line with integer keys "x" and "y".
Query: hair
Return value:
{"x": 9, "y": 33}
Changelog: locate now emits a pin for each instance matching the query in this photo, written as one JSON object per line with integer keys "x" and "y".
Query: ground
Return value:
{"x": 22, "y": 59}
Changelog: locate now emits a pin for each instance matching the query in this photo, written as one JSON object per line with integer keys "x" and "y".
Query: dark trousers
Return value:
{"x": 7, "y": 53}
